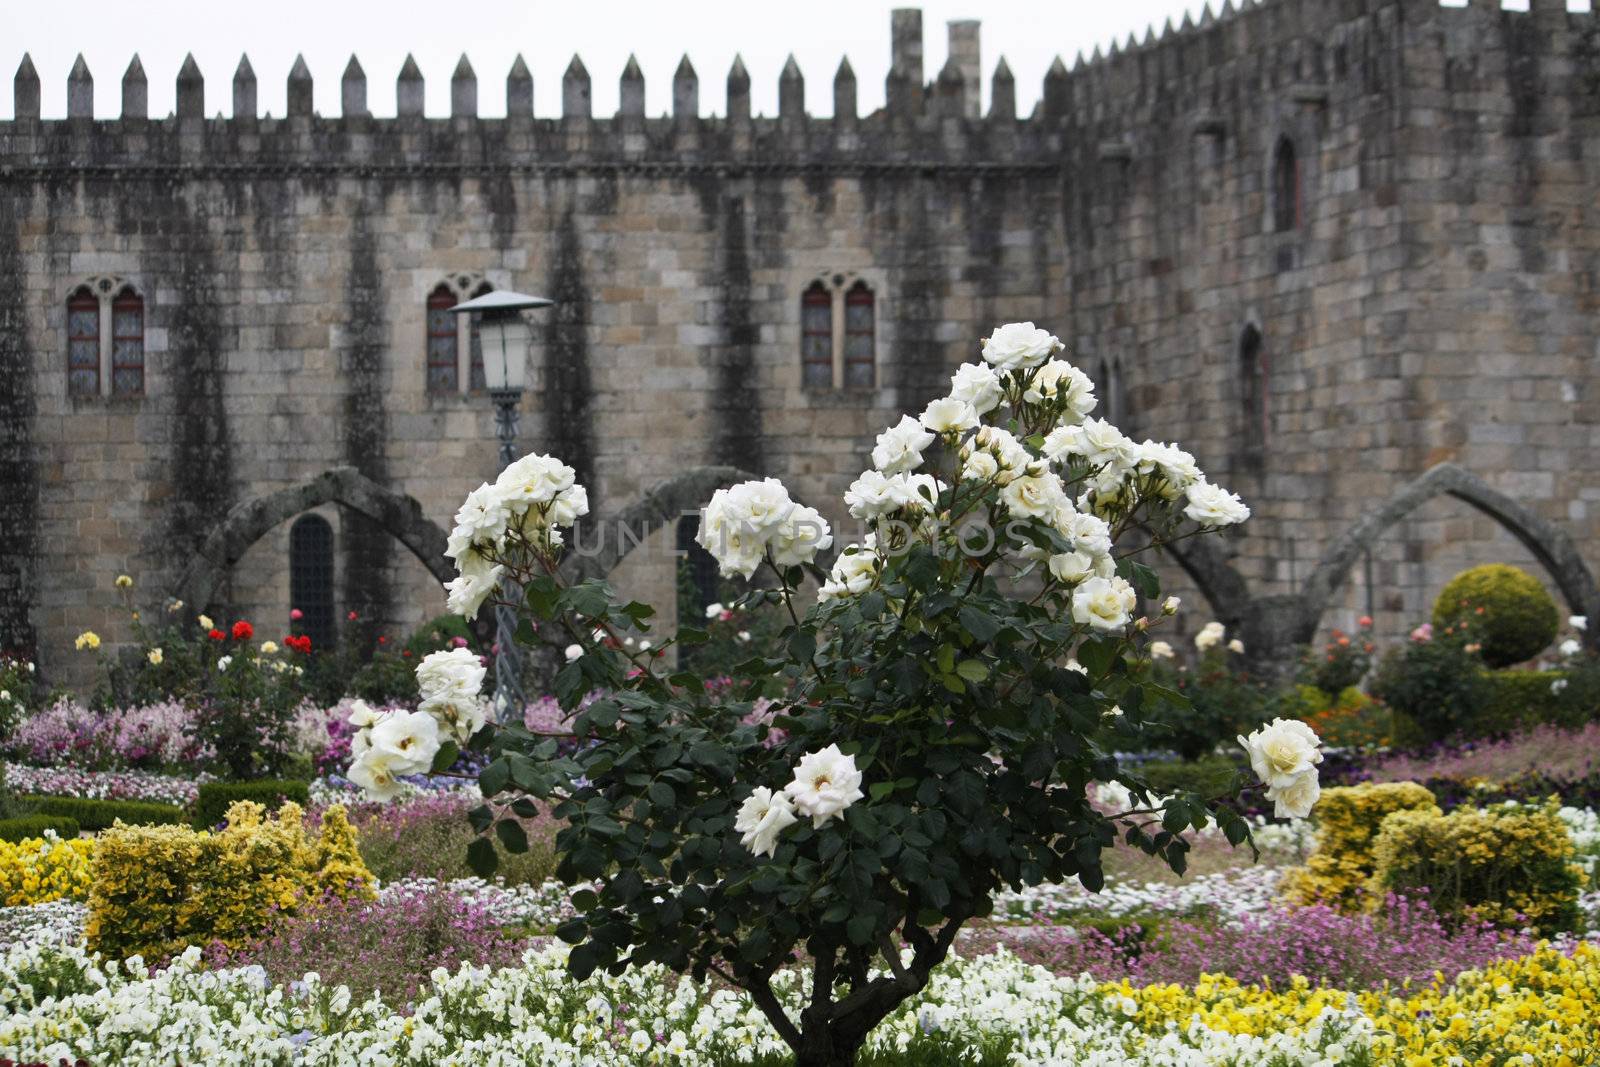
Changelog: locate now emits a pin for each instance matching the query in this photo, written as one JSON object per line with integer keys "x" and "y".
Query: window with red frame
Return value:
{"x": 816, "y": 337}
{"x": 443, "y": 374}
{"x": 127, "y": 344}
{"x": 860, "y": 338}
{"x": 83, "y": 344}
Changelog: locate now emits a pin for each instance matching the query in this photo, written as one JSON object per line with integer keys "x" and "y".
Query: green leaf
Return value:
{"x": 495, "y": 777}
{"x": 973, "y": 670}
{"x": 448, "y": 753}
{"x": 481, "y": 858}
{"x": 980, "y": 624}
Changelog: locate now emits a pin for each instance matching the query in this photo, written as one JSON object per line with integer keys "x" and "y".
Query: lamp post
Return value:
{"x": 505, "y": 336}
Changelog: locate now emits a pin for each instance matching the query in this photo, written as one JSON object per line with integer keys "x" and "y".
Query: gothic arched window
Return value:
{"x": 127, "y": 344}
{"x": 1253, "y": 389}
{"x": 816, "y": 337}
{"x": 860, "y": 338}
{"x": 443, "y": 375}
{"x": 698, "y": 578}
{"x": 311, "y": 578}
{"x": 83, "y": 343}
{"x": 1286, "y": 202}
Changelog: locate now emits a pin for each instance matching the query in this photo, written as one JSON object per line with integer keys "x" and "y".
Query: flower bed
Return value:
{"x": 58, "y": 1003}
{"x": 103, "y": 785}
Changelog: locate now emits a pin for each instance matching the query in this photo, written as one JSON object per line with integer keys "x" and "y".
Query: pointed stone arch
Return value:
{"x": 1548, "y": 543}
{"x": 246, "y": 523}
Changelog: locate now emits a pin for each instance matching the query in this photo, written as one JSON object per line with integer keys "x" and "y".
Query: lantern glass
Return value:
{"x": 505, "y": 338}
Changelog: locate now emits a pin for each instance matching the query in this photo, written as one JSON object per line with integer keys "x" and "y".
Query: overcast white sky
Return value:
{"x": 492, "y": 32}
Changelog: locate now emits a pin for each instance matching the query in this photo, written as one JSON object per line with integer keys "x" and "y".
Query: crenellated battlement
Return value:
{"x": 1099, "y": 104}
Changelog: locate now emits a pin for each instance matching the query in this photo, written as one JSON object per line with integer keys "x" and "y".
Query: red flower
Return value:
{"x": 216, "y": 634}
{"x": 295, "y": 614}
{"x": 243, "y": 631}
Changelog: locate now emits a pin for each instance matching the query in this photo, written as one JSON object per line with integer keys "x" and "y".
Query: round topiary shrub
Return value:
{"x": 1510, "y": 615}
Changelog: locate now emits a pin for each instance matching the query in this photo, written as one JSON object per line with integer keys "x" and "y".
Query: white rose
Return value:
{"x": 408, "y": 739}
{"x": 1103, "y": 603}
{"x": 762, "y": 817}
{"x": 1072, "y": 567}
{"x": 1212, "y": 505}
{"x": 977, "y": 385}
{"x": 899, "y": 448}
{"x": 1210, "y": 635}
{"x": 1161, "y": 650}
{"x": 1061, "y": 384}
{"x": 1033, "y": 497}
{"x": 533, "y": 479}
{"x": 1019, "y": 345}
{"x": 1281, "y": 750}
{"x": 825, "y": 783}
{"x": 800, "y": 538}
{"x": 1295, "y": 798}
{"x": 454, "y": 671}
{"x": 949, "y": 415}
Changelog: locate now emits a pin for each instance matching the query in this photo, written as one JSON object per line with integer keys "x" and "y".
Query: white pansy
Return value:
{"x": 1212, "y": 505}
{"x": 1281, "y": 750}
{"x": 949, "y": 415}
{"x": 407, "y": 739}
{"x": 1161, "y": 650}
{"x": 1103, "y": 603}
{"x": 825, "y": 784}
{"x": 1063, "y": 386}
{"x": 900, "y": 447}
{"x": 978, "y": 385}
{"x": 1210, "y": 635}
{"x": 1018, "y": 346}
{"x": 762, "y": 817}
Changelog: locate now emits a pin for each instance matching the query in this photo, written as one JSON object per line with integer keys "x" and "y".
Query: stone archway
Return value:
{"x": 246, "y": 523}
{"x": 1548, "y": 543}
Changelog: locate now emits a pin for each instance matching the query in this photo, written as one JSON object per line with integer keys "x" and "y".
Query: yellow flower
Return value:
{"x": 124, "y": 582}
{"x": 87, "y": 639}
{"x": 154, "y": 656}
{"x": 206, "y": 623}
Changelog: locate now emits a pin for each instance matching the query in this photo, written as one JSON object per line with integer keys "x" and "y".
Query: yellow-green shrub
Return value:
{"x": 1348, "y": 819}
{"x": 1509, "y": 864}
{"x": 39, "y": 869}
{"x": 159, "y": 889}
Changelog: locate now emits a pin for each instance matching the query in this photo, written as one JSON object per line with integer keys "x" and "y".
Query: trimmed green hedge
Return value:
{"x": 14, "y": 830}
{"x": 217, "y": 797}
{"x": 97, "y": 815}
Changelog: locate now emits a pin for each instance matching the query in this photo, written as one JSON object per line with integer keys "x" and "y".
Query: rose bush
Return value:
{"x": 936, "y": 716}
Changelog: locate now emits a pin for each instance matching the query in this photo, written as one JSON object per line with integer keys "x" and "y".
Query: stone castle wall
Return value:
{"x": 1434, "y": 301}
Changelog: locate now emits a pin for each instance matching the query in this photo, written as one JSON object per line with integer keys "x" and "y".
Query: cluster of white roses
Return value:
{"x": 825, "y": 783}
{"x": 1284, "y": 754}
{"x": 531, "y": 501}
{"x": 744, "y": 524}
{"x": 1020, "y": 372}
{"x": 389, "y": 745}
